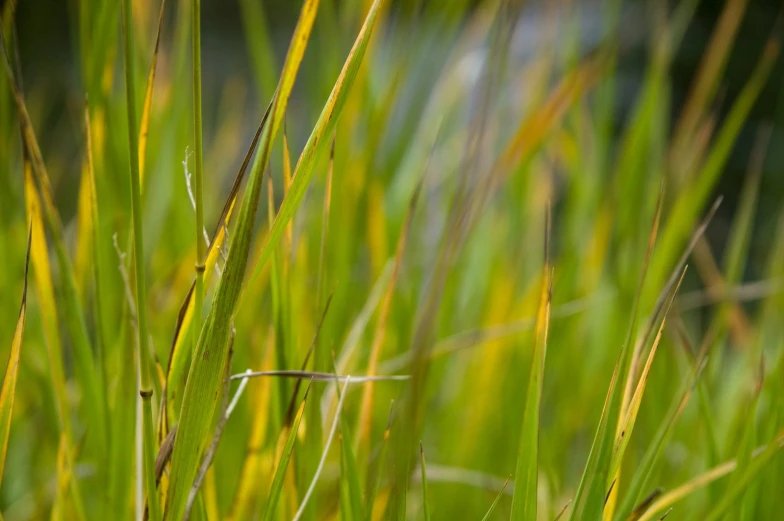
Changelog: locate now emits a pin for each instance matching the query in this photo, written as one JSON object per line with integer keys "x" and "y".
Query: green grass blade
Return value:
{"x": 204, "y": 379}
{"x": 318, "y": 142}
{"x": 762, "y": 457}
{"x": 654, "y": 451}
{"x": 198, "y": 167}
{"x": 145, "y": 364}
{"x": 74, "y": 317}
{"x": 524, "y": 500}
{"x": 423, "y": 468}
{"x": 376, "y": 482}
{"x": 591, "y": 491}
{"x": 496, "y": 500}
{"x": 280, "y": 470}
{"x": 351, "y": 494}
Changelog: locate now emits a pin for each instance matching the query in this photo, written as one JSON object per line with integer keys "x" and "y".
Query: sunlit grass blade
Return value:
{"x": 8, "y": 391}
{"x": 591, "y": 492}
{"x": 46, "y": 298}
{"x": 47, "y": 307}
{"x": 250, "y": 474}
{"x": 283, "y": 462}
{"x": 537, "y": 125}
{"x": 144, "y": 125}
{"x": 85, "y": 226}
{"x": 627, "y": 425}
{"x": 652, "y": 454}
{"x": 92, "y": 393}
{"x": 524, "y": 500}
{"x": 318, "y": 140}
{"x": 204, "y": 379}
{"x": 178, "y": 356}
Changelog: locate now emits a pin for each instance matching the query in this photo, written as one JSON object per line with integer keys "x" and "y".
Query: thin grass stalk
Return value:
{"x": 145, "y": 388}
{"x": 198, "y": 190}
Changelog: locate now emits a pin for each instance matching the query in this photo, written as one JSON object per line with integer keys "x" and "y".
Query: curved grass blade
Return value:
{"x": 524, "y": 499}
{"x": 328, "y": 443}
{"x": 654, "y": 450}
{"x": 206, "y": 371}
{"x": 280, "y": 471}
{"x": 627, "y": 425}
{"x": 591, "y": 492}
{"x": 144, "y": 126}
{"x": 178, "y": 357}
{"x": 318, "y": 141}
{"x": 92, "y": 392}
{"x": 12, "y": 368}
{"x": 350, "y": 490}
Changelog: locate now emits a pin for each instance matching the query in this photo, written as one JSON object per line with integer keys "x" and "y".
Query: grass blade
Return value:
{"x": 595, "y": 474}
{"x": 627, "y": 425}
{"x": 204, "y": 379}
{"x": 496, "y": 500}
{"x": 312, "y": 486}
{"x": 145, "y": 367}
{"x": 74, "y": 316}
{"x": 144, "y": 126}
{"x": 524, "y": 499}
{"x": 761, "y": 458}
{"x": 318, "y": 141}
{"x": 283, "y": 462}
{"x": 12, "y": 369}
{"x": 423, "y": 468}
{"x": 653, "y": 452}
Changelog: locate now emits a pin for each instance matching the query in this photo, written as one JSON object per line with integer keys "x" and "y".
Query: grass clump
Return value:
{"x": 434, "y": 263}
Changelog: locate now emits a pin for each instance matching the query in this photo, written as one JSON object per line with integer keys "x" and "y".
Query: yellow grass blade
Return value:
{"x": 74, "y": 317}
{"x": 204, "y": 379}
{"x": 12, "y": 369}
{"x": 245, "y": 499}
{"x": 84, "y": 242}
{"x": 627, "y": 426}
{"x": 144, "y": 127}
{"x": 318, "y": 140}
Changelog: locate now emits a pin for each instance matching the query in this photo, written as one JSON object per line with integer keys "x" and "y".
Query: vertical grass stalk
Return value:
{"x": 145, "y": 389}
{"x": 197, "y": 168}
